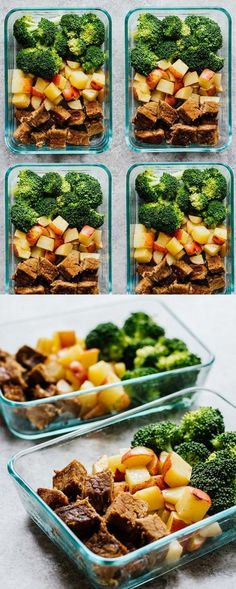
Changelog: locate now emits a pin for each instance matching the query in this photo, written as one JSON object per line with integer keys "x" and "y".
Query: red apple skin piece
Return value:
{"x": 51, "y": 257}
{"x": 119, "y": 476}
{"x": 192, "y": 248}
{"x": 153, "y": 78}
{"x": 159, "y": 481}
{"x": 37, "y": 93}
{"x": 70, "y": 93}
{"x": 212, "y": 91}
{"x": 96, "y": 86}
{"x": 154, "y": 466}
{"x": 144, "y": 485}
{"x": 195, "y": 543}
{"x": 218, "y": 240}
{"x": 58, "y": 241}
{"x": 176, "y": 523}
{"x": 137, "y": 451}
{"x": 178, "y": 85}
{"x": 200, "y": 494}
{"x": 92, "y": 247}
{"x": 207, "y": 74}
{"x": 171, "y": 100}
{"x": 34, "y": 234}
{"x": 179, "y": 233}
{"x": 157, "y": 247}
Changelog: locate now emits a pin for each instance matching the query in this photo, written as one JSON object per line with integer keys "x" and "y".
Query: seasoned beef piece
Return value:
{"x": 70, "y": 268}
{"x": 106, "y": 545}
{"x": 81, "y": 518}
{"x": 167, "y": 114}
{"x": 119, "y": 488}
{"x": 200, "y": 289}
{"x": 63, "y": 287}
{"x": 217, "y": 283}
{"x": 77, "y": 118}
{"x": 71, "y": 406}
{"x": 162, "y": 290}
{"x": 94, "y": 128}
{"x": 208, "y": 134}
{"x": 144, "y": 286}
{"x": 29, "y": 357}
{"x": 61, "y": 114}
{"x": 42, "y": 415}
{"x": 155, "y": 136}
{"x": 12, "y": 372}
{"x": 160, "y": 272}
{"x": 145, "y": 117}
{"x": 53, "y": 497}
{"x": 47, "y": 271}
{"x": 123, "y": 513}
{"x": 149, "y": 529}
{"x": 87, "y": 287}
{"x": 178, "y": 288}
{"x": 93, "y": 110}
{"x": 183, "y": 134}
{"x": 23, "y": 133}
{"x": 199, "y": 273}
{"x": 183, "y": 269}
{"x": 90, "y": 265}
{"x": 189, "y": 111}
{"x": 71, "y": 479}
{"x": 39, "y": 375}
{"x": 39, "y": 116}
{"x": 39, "y": 393}
{"x": 75, "y": 137}
{"x": 57, "y": 138}
{"x": 39, "y": 138}
{"x": 26, "y": 290}
{"x": 210, "y": 109}
{"x": 215, "y": 264}
{"x": 22, "y": 115}
{"x": 13, "y": 392}
{"x": 26, "y": 272}
{"x": 99, "y": 489}
{"x": 144, "y": 269}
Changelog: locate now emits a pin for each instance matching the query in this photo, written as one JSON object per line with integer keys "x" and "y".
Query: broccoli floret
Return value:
{"x": 223, "y": 499}
{"x": 193, "y": 179}
{"x": 202, "y": 425}
{"x": 29, "y": 186}
{"x": 95, "y": 219}
{"x": 223, "y": 454}
{"x": 224, "y": 441}
{"x": 171, "y": 27}
{"x": 167, "y": 50}
{"x": 74, "y": 212}
{"x": 93, "y": 59}
{"x": 86, "y": 187}
{"x": 52, "y": 183}
{"x": 23, "y": 216}
{"x": 157, "y": 436}
{"x": 214, "y": 214}
{"x": 215, "y": 62}
{"x": 146, "y": 357}
{"x": 198, "y": 200}
{"x": 195, "y": 57}
{"x": 65, "y": 185}
{"x": 193, "y": 452}
{"x": 70, "y": 23}
{"x": 177, "y": 360}
{"x": 109, "y": 339}
{"x": 141, "y": 392}
{"x": 206, "y": 31}
{"x": 162, "y": 216}
{"x": 24, "y": 31}
{"x": 143, "y": 59}
{"x": 92, "y": 29}
{"x": 146, "y": 184}
{"x": 43, "y": 62}
{"x": 149, "y": 29}
{"x": 76, "y": 46}
{"x": 168, "y": 186}
{"x": 61, "y": 45}
{"x": 131, "y": 349}
{"x": 182, "y": 199}
{"x": 46, "y": 32}
{"x": 46, "y": 206}
{"x": 217, "y": 478}
{"x": 140, "y": 326}
{"x": 214, "y": 184}
{"x": 172, "y": 345}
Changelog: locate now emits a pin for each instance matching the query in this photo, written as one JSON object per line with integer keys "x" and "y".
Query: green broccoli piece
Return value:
{"x": 195, "y": 57}
{"x": 146, "y": 184}
{"x": 74, "y": 212}
{"x": 172, "y": 344}
{"x": 202, "y": 425}
{"x": 162, "y": 216}
{"x": 71, "y": 23}
{"x": 92, "y": 29}
{"x": 159, "y": 437}
{"x": 223, "y": 454}
{"x": 206, "y": 31}
{"x": 182, "y": 199}
{"x": 215, "y": 62}
{"x": 223, "y": 499}
{"x": 214, "y": 184}
{"x": 177, "y": 359}
{"x": 23, "y": 216}
{"x": 29, "y": 186}
{"x": 140, "y": 326}
{"x": 171, "y": 27}
{"x": 215, "y": 214}
{"x": 198, "y": 200}
{"x": 52, "y": 183}
{"x": 193, "y": 179}
{"x": 131, "y": 349}
{"x": 192, "y": 452}
{"x": 46, "y": 206}
{"x": 24, "y": 31}
{"x": 218, "y": 479}
{"x": 86, "y": 187}
{"x": 46, "y": 32}
{"x": 109, "y": 339}
{"x": 167, "y": 50}
{"x": 61, "y": 44}
{"x": 168, "y": 186}
{"x": 143, "y": 392}
{"x": 76, "y": 46}
{"x": 224, "y": 441}
{"x": 146, "y": 357}
{"x": 65, "y": 185}
{"x": 42, "y": 62}
{"x": 93, "y": 59}
{"x": 149, "y": 30}
{"x": 143, "y": 59}
{"x": 95, "y": 219}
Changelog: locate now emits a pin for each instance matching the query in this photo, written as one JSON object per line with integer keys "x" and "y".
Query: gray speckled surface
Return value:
{"x": 119, "y": 157}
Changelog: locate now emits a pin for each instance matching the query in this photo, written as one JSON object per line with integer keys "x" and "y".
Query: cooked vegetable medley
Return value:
{"x": 65, "y": 363}
{"x": 181, "y": 239}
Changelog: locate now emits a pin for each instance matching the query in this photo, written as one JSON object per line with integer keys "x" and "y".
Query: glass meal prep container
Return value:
{"x": 32, "y": 468}
{"x": 133, "y": 202}
{"x": 99, "y": 143}
{"x": 223, "y": 18}
{"x": 103, "y": 175}
{"x": 17, "y": 334}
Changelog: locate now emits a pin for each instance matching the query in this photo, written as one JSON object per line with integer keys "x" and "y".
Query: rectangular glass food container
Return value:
{"x": 133, "y": 203}
{"x": 223, "y": 18}
{"x": 97, "y": 145}
{"x": 19, "y": 333}
{"x": 33, "y": 468}
{"x": 102, "y": 174}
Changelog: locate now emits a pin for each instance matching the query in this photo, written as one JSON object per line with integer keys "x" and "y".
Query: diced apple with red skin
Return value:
{"x": 98, "y": 372}
{"x": 70, "y": 93}
{"x": 174, "y": 246}
{"x": 135, "y": 476}
{"x": 37, "y": 252}
{"x": 101, "y": 464}
{"x": 78, "y": 79}
{"x": 71, "y": 235}
{"x": 190, "y": 79}
{"x": 175, "y": 523}
{"x": 21, "y": 248}
{"x": 58, "y": 241}
{"x": 169, "y": 506}
{"x": 46, "y": 243}
{"x": 114, "y": 398}
{"x": 171, "y": 100}
{"x": 52, "y": 92}
{"x": 192, "y": 248}
{"x": 159, "y": 481}
{"x": 114, "y": 463}
{"x": 220, "y": 235}
{"x": 178, "y": 69}
{"x": 34, "y": 234}
{"x": 141, "y": 91}
{"x": 64, "y": 250}
{"x": 60, "y": 81}
{"x": 153, "y": 497}
{"x": 176, "y": 471}
{"x": 153, "y": 78}
{"x": 157, "y": 247}
{"x": 143, "y": 237}
{"x": 21, "y": 84}
{"x": 195, "y": 543}
{"x": 157, "y": 96}
{"x": 21, "y": 100}
{"x": 86, "y": 235}
{"x": 98, "y": 81}
{"x": 173, "y": 495}
{"x": 59, "y": 225}
{"x": 216, "y": 80}
{"x": 165, "y": 86}
{"x": 162, "y": 458}
{"x": 211, "y": 91}
{"x": 212, "y": 249}
{"x": 182, "y": 236}
{"x": 37, "y": 93}
{"x": 154, "y": 466}
{"x": 193, "y": 505}
{"x": 184, "y": 93}
{"x": 178, "y": 84}
{"x": 174, "y": 553}
{"x": 138, "y": 456}
{"x": 205, "y": 79}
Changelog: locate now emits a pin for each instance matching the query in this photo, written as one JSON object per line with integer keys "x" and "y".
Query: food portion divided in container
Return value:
{"x": 58, "y": 229}
{"x": 178, "y": 79}
{"x": 58, "y": 81}
{"x": 180, "y": 229}
{"x": 69, "y": 382}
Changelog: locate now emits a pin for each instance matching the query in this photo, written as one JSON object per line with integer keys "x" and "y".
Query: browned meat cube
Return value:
{"x": 178, "y": 288}
{"x": 75, "y": 137}
{"x": 93, "y": 110}
{"x": 81, "y": 518}
{"x": 183, "y": 269}
{"x": 154, "y": 136}
{"x": 162, "y": 290}
{"x": 26, "y": 272}
{"x": 144, "y": 286}
{"x": 61, "y": 114}
{"x": 39, "y": 116}
{"x": 146, "y": 118}
{"x": 28, "y": 357}
{"x": 210, "y": 109}
{"x": 40, "y": 375}
{"x": 87, "y": 287}
{"x": 47, "y": 271}
{"x": 99, "y": 489}
{"x": 69, "y": 268}
{"x": 13, "y": 392}
{"x": 22, "y": 115}
{"x": 63, "y": 287}
{"x": 57, "y": 138}
{"x": 53, "y": 497}
{"x": 26, "y": 290}
{"x": 199, "y": 273}
{"x": 166, "y": 113}
{"x": 183, "y": 134}
{"x": 12, "y": 372}
{"x": 215, "y": 264}
{"x": 94, "y": 128}
{"x": 23, "y": 133}
{"x": 39, "y": 393}
{"x": 217, "y": 283}
{"x": 150, "y": 528}
{"x": 71, "y": 479}
{"x": 42, "y": 415}
{"x": 160, "y": 272}
{"x": 144, "y": 269}
{"x": 208, "y": 134}
{"x": 189, "y": 111}
{"x": 120, "y": 488}
{"x": 199, "y": 289}
{"x": 90, "y": 265}
{"x": 39, "y": 138}
{"x": 123, "y": 513}
{"x": 105, "y": 544}
{"x": 70, "y": 406}
{"x": 77, "y": 118}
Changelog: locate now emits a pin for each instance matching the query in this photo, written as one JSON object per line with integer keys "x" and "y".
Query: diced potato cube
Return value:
{"x": 48, "y": 104}
{"x": 205, "y": 79}
{"x": 37, "y": 252}
{"x": 153, "y": 496}
{"x": 176, "y": 471}
{"x": 157, "y": 257}
{"x": 143, "y": 255}
{"x": 212, "y": 249}
{"x": 220, "y": 235}
{"x": 101, "y": 464}
{"x": 64, "y": 250}
{"x": 78, "y": 79}
{"x": 114, "y": 463}
{"x": 35, "y": 102}
{"x": 184, "y": 93}
{"x": 120, "y": 369}
{"x": 135, "y": 476}
{"x": 193, "y": 505}
{"x": 86, "y": 235}
{"x": 163, "y": 238}
{"x": 114, "y": 398}
{"x": 68, "y": 355}
{"x": 89, "y": 357}
{"x": 179, "y": 69}
{"x": 141, "y": 92}
{"x": 59, "y": 225}
{"x": 200, "y": 234}
{"x": 52, "y": 92}
{"x": 163, "y": 64}
{"x": 75, "y": 104}
{"x": 73, "y": 65}
{"x": 44, "y": 221}
{"x": 41, "y": 84}
{"x": 166, "y": 86}
{"x": 21, "y": 83}
{"x": 99, "y": 372}
{"x": 71, "y": 234}
{"x": 98, "y": 81}
{"x": 173, "y": 495}
{"x": 46, "y": 243}
{"x": 170, "y": 259}
{"x": 143, "y": 237}
{"x": 174, "y": 246}
{"x": 21, "y": 100}
{"x": 190, "y": 79}
{"x": 195, "y": 220}
{"x": 157, "y": 96}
